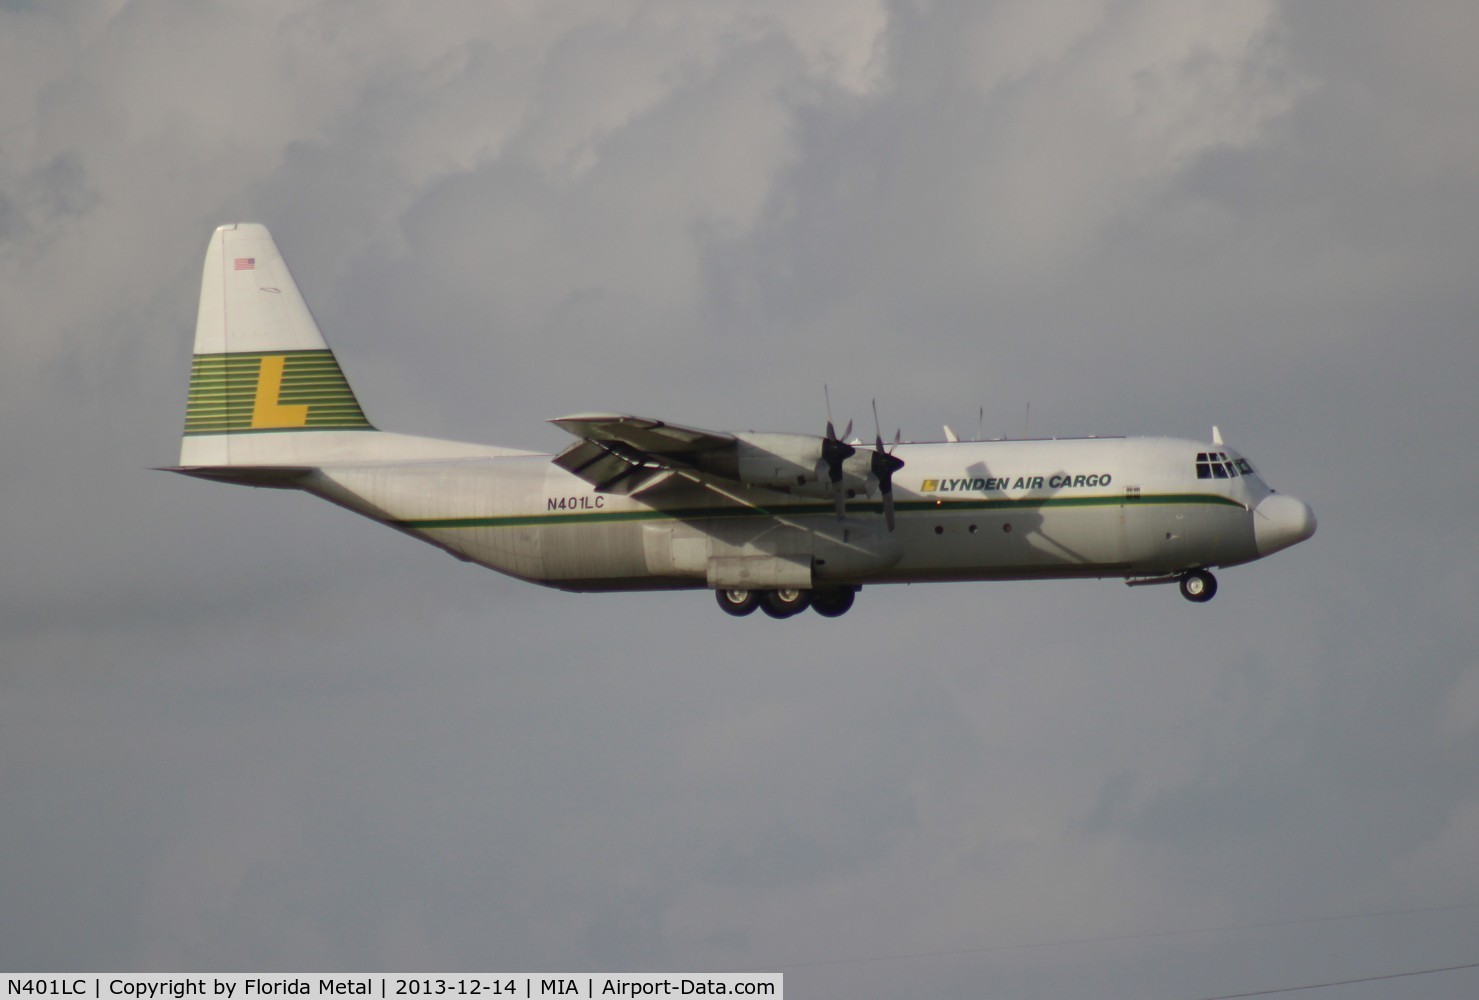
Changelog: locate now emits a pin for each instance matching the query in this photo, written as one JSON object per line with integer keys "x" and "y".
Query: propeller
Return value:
{"x": 881, "y": 468}
{"x": 835, "y": 451}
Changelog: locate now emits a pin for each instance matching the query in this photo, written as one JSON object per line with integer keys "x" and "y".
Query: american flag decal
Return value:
{"x": 246, "y": 263}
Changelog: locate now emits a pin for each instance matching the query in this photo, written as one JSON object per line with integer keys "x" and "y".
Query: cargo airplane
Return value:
{"x": 781, "y": 522}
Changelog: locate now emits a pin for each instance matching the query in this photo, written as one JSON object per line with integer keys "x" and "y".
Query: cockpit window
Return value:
{"x": 1216, "y": 465}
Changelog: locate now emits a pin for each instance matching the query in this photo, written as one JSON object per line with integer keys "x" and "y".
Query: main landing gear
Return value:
{"x": 1198, "y": 585}
{"x": 829, "y": 602}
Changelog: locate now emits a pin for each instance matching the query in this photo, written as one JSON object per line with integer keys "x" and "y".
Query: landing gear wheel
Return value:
{"x": 785, "y": 603}
{"x": 833, "y": 602}
{"x": 1198, "y": 585}
{"x": 738, "y": 602}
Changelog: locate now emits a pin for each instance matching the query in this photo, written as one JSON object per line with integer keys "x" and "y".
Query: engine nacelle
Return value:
{"x": 785, "y": 462}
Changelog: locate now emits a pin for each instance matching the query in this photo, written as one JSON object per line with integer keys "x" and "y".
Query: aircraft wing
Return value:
{"x": 643, "y": 434}
{"x": 624, "y": 454}
{"x": 618, "y": 453}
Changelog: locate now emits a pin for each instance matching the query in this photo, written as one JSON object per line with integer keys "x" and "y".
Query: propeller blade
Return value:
{"x": 831, "y": 430}
{"x": 835, "y": 451}
{"x": 882, "y": 465}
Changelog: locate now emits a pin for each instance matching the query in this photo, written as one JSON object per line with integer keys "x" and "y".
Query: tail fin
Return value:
{"x": 262, "y": 373}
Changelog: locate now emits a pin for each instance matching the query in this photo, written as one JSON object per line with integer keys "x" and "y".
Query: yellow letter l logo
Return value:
{"x": 267, "y": 411}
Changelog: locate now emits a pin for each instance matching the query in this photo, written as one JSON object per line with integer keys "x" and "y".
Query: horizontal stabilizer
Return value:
{"x": 280, "y": 477}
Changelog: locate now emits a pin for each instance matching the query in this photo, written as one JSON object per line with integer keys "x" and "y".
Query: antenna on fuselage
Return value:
{"x": 952, "y": 437}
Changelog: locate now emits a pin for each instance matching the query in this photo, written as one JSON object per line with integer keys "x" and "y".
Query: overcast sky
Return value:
{"x": 244, "y": 730}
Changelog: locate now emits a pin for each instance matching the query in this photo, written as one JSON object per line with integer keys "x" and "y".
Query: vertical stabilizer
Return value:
{"x": 262, "y": 373}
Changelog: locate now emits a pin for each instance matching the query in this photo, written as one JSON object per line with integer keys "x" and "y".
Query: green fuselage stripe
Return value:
{"x": 808, "y": 509}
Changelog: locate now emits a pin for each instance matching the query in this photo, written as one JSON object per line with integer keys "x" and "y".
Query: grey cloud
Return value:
{"x": 244, "y": 730}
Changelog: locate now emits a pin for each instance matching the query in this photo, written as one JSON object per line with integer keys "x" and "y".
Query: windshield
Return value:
{"x": 1218, "y": 465}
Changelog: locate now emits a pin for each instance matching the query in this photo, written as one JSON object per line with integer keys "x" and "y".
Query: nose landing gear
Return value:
{"x": 1198, "y": 585}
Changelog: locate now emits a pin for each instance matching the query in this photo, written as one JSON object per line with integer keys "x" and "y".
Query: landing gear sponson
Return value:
{"x": 829, "y": 602}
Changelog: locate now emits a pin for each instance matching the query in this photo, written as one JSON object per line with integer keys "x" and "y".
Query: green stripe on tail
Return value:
{"x": 270, "y": 391}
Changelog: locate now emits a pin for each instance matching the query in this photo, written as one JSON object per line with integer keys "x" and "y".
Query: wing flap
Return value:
{"x": 609, "y": 468}
{"x": 623, "y": 454}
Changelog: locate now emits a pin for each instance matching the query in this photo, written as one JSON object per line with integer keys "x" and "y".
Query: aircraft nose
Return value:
{"x": 1280, "y": 521}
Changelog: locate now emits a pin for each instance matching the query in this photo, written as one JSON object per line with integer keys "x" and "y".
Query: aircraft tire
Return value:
{"x": 785, "y": 603}
{"x": 738, "y": 602}
{"x": 833, "y": 602}
{"x": 1198, "y": 586}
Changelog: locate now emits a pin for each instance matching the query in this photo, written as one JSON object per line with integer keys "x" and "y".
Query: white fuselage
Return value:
{"x": 1089, "y": 507}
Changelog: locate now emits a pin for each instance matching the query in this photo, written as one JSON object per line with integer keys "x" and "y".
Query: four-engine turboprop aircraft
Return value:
{"x": 776, "y": 521}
